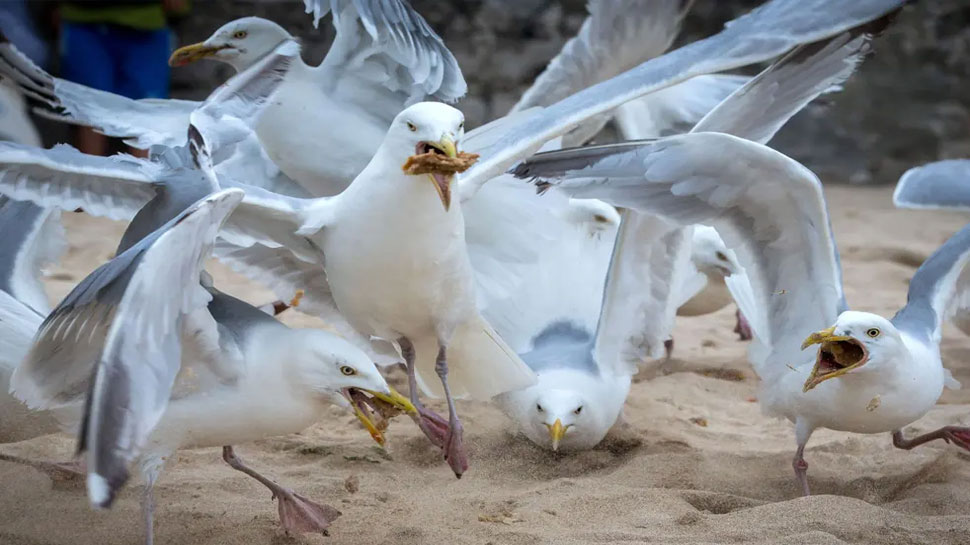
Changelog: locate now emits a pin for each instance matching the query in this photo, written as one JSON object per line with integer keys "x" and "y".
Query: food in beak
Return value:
{"x": 441, "y": 161}
{"x": 376, "y": 409}
{"x": 837, "y": 355}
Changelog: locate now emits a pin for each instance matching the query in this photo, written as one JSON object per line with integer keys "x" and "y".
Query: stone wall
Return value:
{"x": 908, "y": 104}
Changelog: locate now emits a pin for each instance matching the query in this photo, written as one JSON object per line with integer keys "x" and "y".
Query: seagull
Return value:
{"x": 234, "y": 380}
{"x": 421, "y": 250}
{"x": 384, "y": 57}
{"x": 870, "y": 374}
{"x": 942, "y": 185}
{"x": 585, "y": 347}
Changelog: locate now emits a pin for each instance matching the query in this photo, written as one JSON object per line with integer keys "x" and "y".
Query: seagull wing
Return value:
{"x": 939, "y": 185}
{"x": 641, "y": 295}
{"x": 769, "y": 31}
{"x": 63, "y": 177}
{"x": 932, "y": 289}
{"x": 677, "y": 108}
{"x": 386, "y": 43}
{"x": 142, "y": 123}
{"x": 33, "y": 237}
{"x": 762, "y": 203}
{"x": 116, "y": 338}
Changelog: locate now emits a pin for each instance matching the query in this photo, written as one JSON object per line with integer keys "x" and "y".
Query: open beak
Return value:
{"x": 192, "y": 53}
{"x": 442, "y": 182}
{"x": 556, "y": 433}
{"x": 367, "y": 418}
{"x": 837, "y": 355}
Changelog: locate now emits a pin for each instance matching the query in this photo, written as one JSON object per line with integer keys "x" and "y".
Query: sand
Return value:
{"x": 664, "y": 477}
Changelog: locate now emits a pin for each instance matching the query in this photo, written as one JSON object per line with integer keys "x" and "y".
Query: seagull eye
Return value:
{"x": 348, "y": 370}
{"x": 412, "y": 127}
{"x": 578, "y": 409}
{"x": 539, "y": 408}
{"x": 599, "y": 218}
{"x": 873, "y": 332}
{"x": 239, "y": 34}
{"x": 461, "y": 125}
{"x": 721, "y": 256}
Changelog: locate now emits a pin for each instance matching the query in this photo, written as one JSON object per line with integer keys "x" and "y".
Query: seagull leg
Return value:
{"x": 57, "y": 471}
{"x": 297, "y": 514}
{"x": 148, "y": 511}
{"x": 669, "y": 349}
{"x": 802, "y": 432}
{"x": 432, "y": 425}
{"x": 454, "y": 447}
{"x": 742, "y": 328}
{"x": 960, "y": 436}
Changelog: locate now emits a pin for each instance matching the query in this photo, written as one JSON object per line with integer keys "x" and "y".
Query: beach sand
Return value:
{"x": 695, "y": 461}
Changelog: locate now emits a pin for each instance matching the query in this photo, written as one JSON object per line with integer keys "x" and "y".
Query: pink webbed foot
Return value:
{"x": 298, "y": 515}
{"x": 454, "y": 450}
{"x": 433, "y": 425}
{"x": 742, "y": 328}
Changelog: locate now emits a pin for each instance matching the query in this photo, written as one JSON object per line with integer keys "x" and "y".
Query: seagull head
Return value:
{"x": 710, "y": 255}
{"x": 239, "y": 43}
{"x": 344, "y": 375}
{"x": 425, "y": 140}
{"x": 593, "y": 216}
{"x": 858, "y": 342}
{"x": 562, "y": 419}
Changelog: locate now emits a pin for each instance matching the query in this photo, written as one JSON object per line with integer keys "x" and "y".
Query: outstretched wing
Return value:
{"x": 641, "y": 296}
{"x": 939, "y": 185}
{"x": 386, "y": 43}
{"x": 123, "y": 323}
{"x": 33, "y": 237}
{"x": 142, "y": 123}
{"x": 761, "y": 202}
{"x": 768, "y": 31}
{"x": 932, "y": 289}
{"x": 63, "y": 177}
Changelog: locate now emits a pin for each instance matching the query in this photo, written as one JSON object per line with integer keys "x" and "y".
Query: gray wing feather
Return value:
{"x": 932, "y": 289}
{"x": 616, "y": 36}
{"x": 389, "y": 33}
{"x": 141, "y": 356}
{"x": 762, "y": 203}
{"x": 770, "y": 30}
{"x": 33, "y": 237}
{"x": 939, "y": 185}
{"x": 142, "y": 123}
{"x": 115, "y": 187}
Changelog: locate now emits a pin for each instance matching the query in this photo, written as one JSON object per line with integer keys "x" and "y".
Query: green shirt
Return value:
{"x": 136, "y": 15}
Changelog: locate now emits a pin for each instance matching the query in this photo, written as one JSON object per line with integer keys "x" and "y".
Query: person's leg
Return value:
{"x": 85, "y": 59}
{"x": 142, "y": 68}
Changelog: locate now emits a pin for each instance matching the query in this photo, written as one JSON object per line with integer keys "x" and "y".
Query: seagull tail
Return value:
{"x": 480, "y": 364}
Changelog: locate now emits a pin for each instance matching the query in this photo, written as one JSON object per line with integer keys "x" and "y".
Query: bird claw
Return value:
{"x": 742, "y": 327}
{"x": 454, "y": 450}
{"x": 959, "y": 436}
{"x": 433, "y": 425}
{"x": 298, "y": 515}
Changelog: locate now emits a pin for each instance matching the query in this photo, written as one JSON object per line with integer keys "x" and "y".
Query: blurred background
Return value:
{"x": 908, "y": 105}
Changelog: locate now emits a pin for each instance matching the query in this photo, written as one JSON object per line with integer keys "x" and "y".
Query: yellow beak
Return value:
{"x": 442, "y": 182}
{"x": 192, "y": 53}
{"x": 819, "y": 337}
{"x": 556, "y": 433}
{"x": 365, "y": 417}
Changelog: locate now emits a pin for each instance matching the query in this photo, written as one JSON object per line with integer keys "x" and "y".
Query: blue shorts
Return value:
{"x": 129, "y": 62}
